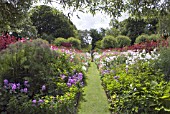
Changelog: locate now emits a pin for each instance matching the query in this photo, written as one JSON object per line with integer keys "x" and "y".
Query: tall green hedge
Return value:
{"x": 142, "y": 38}
{"x": 123, "y": 41}
{"x": 59, "y": 41}
{"x": 109, "y": 42}
{"x": 76, "y": 43}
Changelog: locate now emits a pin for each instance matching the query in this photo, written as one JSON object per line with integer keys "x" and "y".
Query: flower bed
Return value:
{"x": 36, "y": 79}
{"x": 134, "y": 84}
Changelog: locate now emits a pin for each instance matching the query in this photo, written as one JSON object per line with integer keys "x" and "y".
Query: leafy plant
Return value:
{"x": 123, "y": 41}
{"x": 59, "y": 41}
{"x": 76, "y": 43}
{"x": 142, "y": 38}
{"x": 109, "y": 42}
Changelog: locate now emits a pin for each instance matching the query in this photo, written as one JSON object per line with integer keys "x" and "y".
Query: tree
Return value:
{"x": 12, "y": 12}
{"x": 133, "y": 28}
{"x": 96, "y": 36}
{"x": 113, "y": 32}
{"x": 50, "y": 21}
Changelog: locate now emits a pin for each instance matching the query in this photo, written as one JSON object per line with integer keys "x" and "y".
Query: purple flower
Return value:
{"x": 26, "y": 83}
{"x": 43, "y": 88}
{"x": 72, "y": 81}
{"x": 34, "y": 101}
{"x": 82, "y": 84}
{"x": 14, "y": 87}
{"x": 18, "y": 85}
{"x": 63, "y": 76}
{"x": 25, "y": 90}
{"x": 40, "y": 101}
{"x": 116, "y": 77}
{"x": 5, "y": 82}
{"x": 22, "y": 90}
{"x": 69, "y": 84}
{"x": 80, "y": 76}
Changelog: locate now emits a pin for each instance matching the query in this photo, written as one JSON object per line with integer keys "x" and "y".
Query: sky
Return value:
{"x": 87, "y": 21}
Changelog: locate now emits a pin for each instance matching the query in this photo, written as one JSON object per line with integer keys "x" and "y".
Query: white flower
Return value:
{"x": 84, "y": 68}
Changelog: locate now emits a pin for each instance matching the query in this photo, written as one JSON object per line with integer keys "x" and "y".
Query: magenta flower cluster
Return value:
{"x": 16, "y": 86}
{"x": 76, "y": 78}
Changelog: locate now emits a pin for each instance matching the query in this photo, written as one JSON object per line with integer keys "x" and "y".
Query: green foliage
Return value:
{"x": 109, "y": 42}
{"x": 123, "y": 41}
{"x": 33, "y": 65}
{"x": 27, "y": 61}
{"x": 47, "y": 37}
{"x": 142, "y": 38}
{"x": 139, "y": 89}
{"x": 132, "y": 28}
{"x": 96, "y": 36}
{"x": 59, "y": 41}
{"x": 154, "y": 37}
{"x": 50, "y": 21}
{"x": 164, "y": 62}
{"x": 76, "y": 43}
{"x": 113, "y": 32}
{"x": 99, "y": 44}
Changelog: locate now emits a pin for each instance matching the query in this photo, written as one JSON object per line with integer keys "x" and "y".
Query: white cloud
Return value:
{"x": 88, "y": 21}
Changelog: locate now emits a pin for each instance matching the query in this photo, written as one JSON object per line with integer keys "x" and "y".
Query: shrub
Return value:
{"x": 142, "y": 38}
{"x": 154, "y": 37}
{"x": 76, "y": 43}
{"x": 123, "y": 41}
{"x": 109, "y": 42}
{"x": 164, "y": 62}
{"x": 139, "y": 89}
{"x": 99, "y": 44}
{"x": 59, "y": 41}
{"x": 36, "y": 79}
{"x": 27, "y": 61}
{"x": 50, "y": 38}
{"x": 5, "y": 40}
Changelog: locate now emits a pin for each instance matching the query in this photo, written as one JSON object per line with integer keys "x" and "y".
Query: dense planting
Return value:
{"x": 134, "y": 83}
{"x": 35, "y": 78}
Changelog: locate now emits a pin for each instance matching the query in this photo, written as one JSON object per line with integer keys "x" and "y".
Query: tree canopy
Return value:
{"x": 50, "y": 21}
{"x": 13, "y": 11}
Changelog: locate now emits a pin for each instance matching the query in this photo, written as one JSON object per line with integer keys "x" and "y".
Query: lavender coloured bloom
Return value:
{"x": 82, "y": 84}
{"x": 40, "y": 101}
{"x": 34, "y": 101}
{"x": 63, "y": 76}
{"x": 14, "y": 87}
{"x": 25, "y": 90}
{"x": 72, "y": 81}
{"x": 18, "y": 85}
{"x": 116, "y": 77}
{"x": 80, "y": 77}
{"x": 5, "y": 82}
{"x": 69, "y": 84}
{"x": 22, "y": 90}
{"x": 26, "y": 83}
{"x": 43, "y": 88}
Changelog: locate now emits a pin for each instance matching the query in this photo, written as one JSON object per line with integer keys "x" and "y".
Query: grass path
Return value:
{"x": 94, "y": 99}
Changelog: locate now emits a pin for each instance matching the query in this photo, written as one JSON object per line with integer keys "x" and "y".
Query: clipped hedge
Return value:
{"x": 59, "y": 41}
{"x": 123, "y": 41}
{"x": 109, "y": 42}
{"x": 154, "y": 37}
{"x": 142, "y": 38}
{"x": 76, "y": 43}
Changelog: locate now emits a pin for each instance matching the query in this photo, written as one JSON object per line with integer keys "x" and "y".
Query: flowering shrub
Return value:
{"x": 5, "y": 40}
{"x": 43, "y": 80}
{"x": 134, "y": 83}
